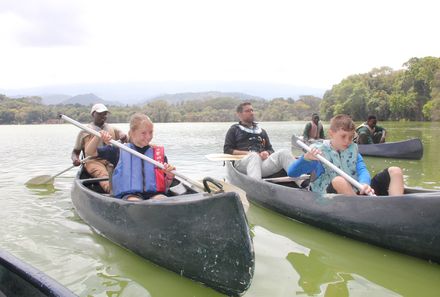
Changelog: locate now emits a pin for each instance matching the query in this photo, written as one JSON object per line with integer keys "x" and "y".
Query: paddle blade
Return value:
{"x": 224, "y": 157}
{"x": 40, "y": 180}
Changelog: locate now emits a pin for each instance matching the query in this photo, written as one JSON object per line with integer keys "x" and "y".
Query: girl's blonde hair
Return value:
{"x": 137, "y": 120}
{"x": 342, "y": 121}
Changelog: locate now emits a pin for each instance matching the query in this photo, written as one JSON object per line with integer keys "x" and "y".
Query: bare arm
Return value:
{"x": 92, "y": 146}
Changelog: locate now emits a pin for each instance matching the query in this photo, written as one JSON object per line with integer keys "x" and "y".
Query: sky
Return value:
{"x": 314, "y": 43}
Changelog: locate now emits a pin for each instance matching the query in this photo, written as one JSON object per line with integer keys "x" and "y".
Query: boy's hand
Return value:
{"x": 264, "y": 155}
{"x": 366, "y": 190}
{"x": 312, "y": 154}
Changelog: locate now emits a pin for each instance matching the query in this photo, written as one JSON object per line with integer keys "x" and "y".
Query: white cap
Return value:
{"x": 98, "y": 107}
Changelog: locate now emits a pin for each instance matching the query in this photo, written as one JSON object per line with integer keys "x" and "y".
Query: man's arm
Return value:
{"x": 306, "y": 131}
{"x": 266, "y": 142}
{"x": 231, "y": 143}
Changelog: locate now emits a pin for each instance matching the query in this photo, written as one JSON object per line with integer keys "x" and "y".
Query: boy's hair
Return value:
{"x": 241, "y": 105}
{"x": 371, "y": 117}
{"x": 342, "y": 121}
{"x": 137, "y": 120}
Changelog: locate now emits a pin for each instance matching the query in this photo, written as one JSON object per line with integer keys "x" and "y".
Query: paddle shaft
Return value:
{"x": 332, "y": 166}
{"x": 67, "y": 169}
{"x": 195, "y": 185}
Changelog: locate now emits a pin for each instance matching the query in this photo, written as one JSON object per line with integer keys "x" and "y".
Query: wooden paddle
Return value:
{"x": 330, "y": 164}
{"x": 224, "y": 157}
{"x": 194, "y": 185}
{"x": 47, "y": 179}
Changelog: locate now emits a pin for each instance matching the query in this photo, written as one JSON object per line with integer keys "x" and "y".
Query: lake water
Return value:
{"x": 40, "y": 226}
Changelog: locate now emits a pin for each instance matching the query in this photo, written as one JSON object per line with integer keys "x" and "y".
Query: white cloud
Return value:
{"x": 314, "y": 43}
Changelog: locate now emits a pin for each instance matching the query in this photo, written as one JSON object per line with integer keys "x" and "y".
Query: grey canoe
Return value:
{"x": 407, "y": 149}
{"x": 18, "y": 278}
{"x": 202, "y": 236}
{"x": 409, "y": 223}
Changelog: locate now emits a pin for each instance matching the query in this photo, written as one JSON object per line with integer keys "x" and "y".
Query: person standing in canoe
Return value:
{"x": 97, "y": 167}
{"x": 135, "y": 179}
{"x": 343, "y": 153}
{"x": 313, "y": 129}
{"x": 369, "y": 132}
{"x": 247, "y": 138}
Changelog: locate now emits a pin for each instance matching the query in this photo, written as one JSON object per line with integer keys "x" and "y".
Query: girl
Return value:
{"x": 133, "y": 178}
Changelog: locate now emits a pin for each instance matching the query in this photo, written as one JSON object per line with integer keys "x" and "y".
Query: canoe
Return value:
{"x": 408, "y": 223}
{"x": 18, "y": 278}
{"x": 202, "y": 236}
{"x": 407, "y": 149}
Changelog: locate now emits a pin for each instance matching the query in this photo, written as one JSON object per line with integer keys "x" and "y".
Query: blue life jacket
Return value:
{"x": 345, "y": 160}
{"x": 134, "y": 175}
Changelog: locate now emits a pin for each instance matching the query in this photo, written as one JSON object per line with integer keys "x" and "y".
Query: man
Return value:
{"x": 96, "y": 167}
{"x": 369, "y": 132}
{"x": 247, "y": 138}
{"x": 313, "y": 130}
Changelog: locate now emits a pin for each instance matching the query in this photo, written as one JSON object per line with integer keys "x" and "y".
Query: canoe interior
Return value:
{"x": 408, "y": 223}
{"x": 21, "y": 279}
{"x": 202, "y": 236}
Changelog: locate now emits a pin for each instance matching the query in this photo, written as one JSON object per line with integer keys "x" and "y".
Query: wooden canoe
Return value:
{"x": 202, "y": 236}
{"x": 409, "y": 223}
{"x": 407, "y": 149}
{"x": 18, "y": 278}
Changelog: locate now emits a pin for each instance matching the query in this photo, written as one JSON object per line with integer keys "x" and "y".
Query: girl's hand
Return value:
{"x": 167, "y": 170}
{"x": 105, "y": 136}
{"x": 312, "y": 154}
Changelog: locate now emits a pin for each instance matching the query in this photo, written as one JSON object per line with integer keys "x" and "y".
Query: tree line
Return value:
{"x": 30, "y": 110}
{"x": 412, "y": 93}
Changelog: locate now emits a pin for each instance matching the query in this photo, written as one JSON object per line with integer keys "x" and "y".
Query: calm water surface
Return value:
{"x": 40, "y": 226}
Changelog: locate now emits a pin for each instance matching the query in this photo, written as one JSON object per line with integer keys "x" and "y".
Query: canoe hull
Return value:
{"x": 408, "y": 149}
{"x": 409, "y": 223}
{"x": 20, "y": 279}
{"x": 203, "y": 237}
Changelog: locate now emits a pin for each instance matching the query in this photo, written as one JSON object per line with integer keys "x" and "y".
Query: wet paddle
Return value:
{"x": 195, "y": 185}
{"x": 48, "y": 179}
{"x": 329, "y": 164}
{"x": 224, "y": 157}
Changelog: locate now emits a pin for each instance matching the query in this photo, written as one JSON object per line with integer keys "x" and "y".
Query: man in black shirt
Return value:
{"x": 247, "y": 138}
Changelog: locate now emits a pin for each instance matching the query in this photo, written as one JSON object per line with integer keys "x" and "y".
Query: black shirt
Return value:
{"x": 244, "y": 138}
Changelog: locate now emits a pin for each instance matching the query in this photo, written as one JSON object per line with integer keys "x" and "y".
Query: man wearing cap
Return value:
{"x": 96, "y": 167}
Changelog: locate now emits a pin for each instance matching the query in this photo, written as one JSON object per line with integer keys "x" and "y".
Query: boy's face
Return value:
{"x": 341, "y": 139}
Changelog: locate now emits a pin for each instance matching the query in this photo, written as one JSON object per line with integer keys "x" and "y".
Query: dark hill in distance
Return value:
{"x": 192, "y": 96}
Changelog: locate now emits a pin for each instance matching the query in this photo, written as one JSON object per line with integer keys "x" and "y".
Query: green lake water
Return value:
{"x": 40, "y": 226}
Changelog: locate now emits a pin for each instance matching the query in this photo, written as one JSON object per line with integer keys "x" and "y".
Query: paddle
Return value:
{"x": 224, "y": 157}
{"x": 329, "y": 164}
{"x": 47, "y": 179}
{"x": 194, "y": 185}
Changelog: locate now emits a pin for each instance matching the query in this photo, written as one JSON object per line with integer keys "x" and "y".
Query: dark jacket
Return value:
{"x": 243, "y": 138}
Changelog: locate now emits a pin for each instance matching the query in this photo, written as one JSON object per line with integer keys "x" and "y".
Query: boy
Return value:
{"x": 342, "y": 152}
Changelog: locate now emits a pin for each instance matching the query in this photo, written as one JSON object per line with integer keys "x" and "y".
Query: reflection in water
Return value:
{"x": 325, "y": 264}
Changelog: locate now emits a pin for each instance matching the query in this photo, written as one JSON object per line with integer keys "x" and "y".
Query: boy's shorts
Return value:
{"x": 380, "y": 184}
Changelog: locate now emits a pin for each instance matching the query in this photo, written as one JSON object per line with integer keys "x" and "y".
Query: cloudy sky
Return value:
{"x": 313, "y": 43}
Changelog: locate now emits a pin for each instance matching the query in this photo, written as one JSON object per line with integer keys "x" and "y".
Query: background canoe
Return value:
{"x": 202, "y": 236}
{"x": 18, "y": 278}
{"x": 407, "y": 149}
{"x": 409, "y": 223}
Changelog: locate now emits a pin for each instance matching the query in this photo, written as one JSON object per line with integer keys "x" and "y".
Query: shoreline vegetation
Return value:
{"x": 412, "y": 93}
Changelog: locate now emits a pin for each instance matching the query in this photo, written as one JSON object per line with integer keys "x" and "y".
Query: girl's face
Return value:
{"x": 142, "y": 136}
{"x": 341, "y": 139}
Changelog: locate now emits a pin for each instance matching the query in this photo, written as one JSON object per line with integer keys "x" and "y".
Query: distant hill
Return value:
{"x": 191, "y": 96}
{"x": 53, "y": 99}
{"x": 84, "y": 99}
{"x": 138, "y": 92}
